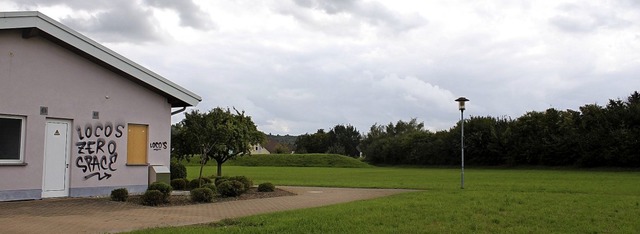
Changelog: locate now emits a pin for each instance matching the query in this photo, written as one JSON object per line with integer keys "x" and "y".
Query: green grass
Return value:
{"x": 288, "y": 160}
{"x": 493, "y": 201}
{"x": 298, "y": 160}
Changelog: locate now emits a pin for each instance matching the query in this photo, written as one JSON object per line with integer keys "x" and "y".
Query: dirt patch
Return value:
{"x": 181, "y": 200}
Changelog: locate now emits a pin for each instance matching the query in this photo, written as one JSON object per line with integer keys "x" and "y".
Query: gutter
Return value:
{"x": 179, "y": 111}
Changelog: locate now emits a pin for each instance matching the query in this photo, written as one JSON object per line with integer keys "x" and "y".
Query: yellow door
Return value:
{"x": 137, "y": 144}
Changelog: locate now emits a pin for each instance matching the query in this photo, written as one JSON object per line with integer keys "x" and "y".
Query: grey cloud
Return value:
{"x": 308, "y": 96}
{"x": 190, "y": 14}
{"x": 74, "y": 4}
{"x": 376, "y": 14}
{"x": 371, "y": 13}
{"x": 323, "y": 98}
{"x": 111, "y": 21}
{"x": 568, "y": 24}
{"x": 584, "y": 18}
{"x": 124, "y": 22}
{"x": 292, "y": 80}
{"x": 329, "y": 6}
{"x": 629, "y": 3}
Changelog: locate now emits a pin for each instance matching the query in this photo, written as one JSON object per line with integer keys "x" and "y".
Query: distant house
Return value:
{"x": 269, "y": 147}
{"x": 258, "y": 149}
{"x": 76, "y": 118}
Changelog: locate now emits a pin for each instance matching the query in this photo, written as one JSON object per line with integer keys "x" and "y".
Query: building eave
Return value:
{"x": 37, "y": 24}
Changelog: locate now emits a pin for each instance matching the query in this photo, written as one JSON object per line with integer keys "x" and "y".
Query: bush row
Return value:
{"x": 157, "y": 193}
{"x": 202, "y": 190}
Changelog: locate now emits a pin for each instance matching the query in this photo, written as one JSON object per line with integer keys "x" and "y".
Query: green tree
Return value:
{"x": 197, "y": 129}
{"x": 395, "y": 144}
{"x": 282, "y": 149}
{"x": 181, "y": 146}
{"x": 485, "y": 141}
{"x": 344, "y": 140}
{"x": 221, "y": 135}
{"x": 313, "y": 143}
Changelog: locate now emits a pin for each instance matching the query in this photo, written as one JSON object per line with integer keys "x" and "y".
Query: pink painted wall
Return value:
{"x": 36, "y": 72}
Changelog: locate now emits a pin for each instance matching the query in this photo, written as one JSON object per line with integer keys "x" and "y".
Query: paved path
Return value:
{"x": 81, "y": 215}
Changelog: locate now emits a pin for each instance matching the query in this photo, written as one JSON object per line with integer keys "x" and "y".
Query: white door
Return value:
{"x": 56, "y": 159}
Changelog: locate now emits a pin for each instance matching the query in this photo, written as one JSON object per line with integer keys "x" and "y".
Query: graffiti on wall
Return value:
{"x": 157, "y": 146}
{"x": 97, "y": 149}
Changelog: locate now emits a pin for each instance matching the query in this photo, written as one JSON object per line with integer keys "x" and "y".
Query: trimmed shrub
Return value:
{"x": 248, "y": 183}
{"x": 231, "y": 188}
{"x": 266, "y": 187}
{"x": 195, "y": 182}
{"x": 220, "y": 181}
{"x": 201, "y": 195}
{"x": 164, "y": 188}
{"x": 212, "y": 187}
{"x": 120, "y": 194}
{"x": 177, "y": 170}
{"x": 152, "y": 198}
{"x": 179, "y": 184}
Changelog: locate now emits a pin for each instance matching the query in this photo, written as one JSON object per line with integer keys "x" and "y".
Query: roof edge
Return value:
{"x": 28, "y": 19}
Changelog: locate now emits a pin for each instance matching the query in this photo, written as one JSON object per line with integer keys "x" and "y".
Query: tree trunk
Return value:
{"x": 202, "y": 162}
{"x": 219, "y": 169}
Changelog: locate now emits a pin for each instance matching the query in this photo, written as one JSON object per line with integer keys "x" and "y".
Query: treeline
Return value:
{"x": 594, "y": 136}
{"x": 340, "y": 139}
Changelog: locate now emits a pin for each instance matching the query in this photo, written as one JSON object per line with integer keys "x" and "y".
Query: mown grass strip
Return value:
{"x": 559, "y": 181}
{"x": 447, "y": 212}
{"x": 288, "y": 160}
{"x": 298, "y": 160}
{"x": 493, "y": 201}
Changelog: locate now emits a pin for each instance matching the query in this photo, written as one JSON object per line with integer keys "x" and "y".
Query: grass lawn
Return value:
{"x": 287, "y": 160}
{"x": 494, "y": 200}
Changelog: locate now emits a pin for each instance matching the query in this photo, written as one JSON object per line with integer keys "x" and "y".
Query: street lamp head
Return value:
{"x": 461, "y": 101}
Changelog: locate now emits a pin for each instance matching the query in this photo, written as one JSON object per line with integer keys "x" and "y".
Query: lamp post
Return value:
{"x": 461, "y": 101}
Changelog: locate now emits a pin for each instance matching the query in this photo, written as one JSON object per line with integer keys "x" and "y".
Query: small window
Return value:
{"x": 11, "y": 139}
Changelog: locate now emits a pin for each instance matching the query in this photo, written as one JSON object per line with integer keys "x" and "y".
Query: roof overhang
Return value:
{"x": 34, "y": 23}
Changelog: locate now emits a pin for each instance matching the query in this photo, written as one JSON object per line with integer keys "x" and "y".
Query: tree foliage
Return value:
{"x": 595, "y": 135}
{"x": 400, "y": 143}
{"x": 219, "y": 135}
{"x": 181, "y": 146}
{"x": 592, "y": 136}
{"x": 313, "y": 143}
{"x": 340, "y": 139}
{"x": 282, "y": 149}
{"x": 344, "y": 140}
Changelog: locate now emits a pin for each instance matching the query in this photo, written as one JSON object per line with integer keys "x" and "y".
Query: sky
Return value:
{"x": 297, "y": 66}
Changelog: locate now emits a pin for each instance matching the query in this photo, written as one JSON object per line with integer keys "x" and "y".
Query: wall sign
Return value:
{"x": 157, "y": 146}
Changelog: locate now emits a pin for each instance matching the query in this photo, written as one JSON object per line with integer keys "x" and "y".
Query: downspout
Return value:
{"x": 179, "y": 111}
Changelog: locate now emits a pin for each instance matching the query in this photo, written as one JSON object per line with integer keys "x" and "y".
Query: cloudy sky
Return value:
{"x": 297, "y": 66}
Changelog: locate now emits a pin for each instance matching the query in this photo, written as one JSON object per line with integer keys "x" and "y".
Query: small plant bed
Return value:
{"x": 181, "y": 200}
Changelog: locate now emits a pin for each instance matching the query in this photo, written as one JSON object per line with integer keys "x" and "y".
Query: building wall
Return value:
{"x": 36, "y": 73}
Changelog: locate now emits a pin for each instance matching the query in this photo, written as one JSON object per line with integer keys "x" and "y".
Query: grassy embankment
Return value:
{"x": 287, "y": 160}
{"x": 493, "y": 201}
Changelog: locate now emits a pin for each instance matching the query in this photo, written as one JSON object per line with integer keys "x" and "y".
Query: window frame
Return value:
{"x": 23, "y": 120}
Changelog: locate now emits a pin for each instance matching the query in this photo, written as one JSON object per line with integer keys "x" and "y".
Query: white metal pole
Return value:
{"x": 462, "y": 148}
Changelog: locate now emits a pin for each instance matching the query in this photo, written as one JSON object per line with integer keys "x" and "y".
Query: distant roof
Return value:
{"x": 271, "y": 145}
{"x": 35, "y": 23}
